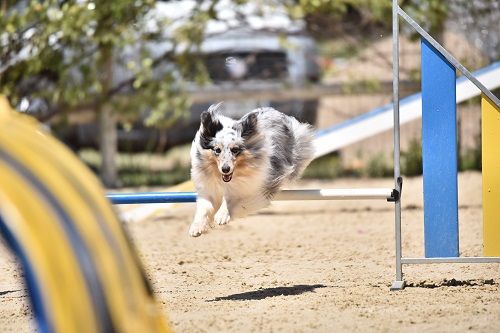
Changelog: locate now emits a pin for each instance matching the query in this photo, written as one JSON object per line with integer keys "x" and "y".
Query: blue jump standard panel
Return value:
{"x": 439, "y": 154}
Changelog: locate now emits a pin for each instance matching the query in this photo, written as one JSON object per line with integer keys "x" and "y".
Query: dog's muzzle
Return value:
{"x": 227, "y": 177}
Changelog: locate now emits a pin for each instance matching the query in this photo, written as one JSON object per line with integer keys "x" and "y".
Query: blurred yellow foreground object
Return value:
{"x": 81, "y": 271}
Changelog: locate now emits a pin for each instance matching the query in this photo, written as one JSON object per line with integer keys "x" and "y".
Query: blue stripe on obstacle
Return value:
{"x": 42, "y": 318}
{"x": 82, "y": 251}
{"x": 151, "y": 197}
{"x": 439, "y": 154}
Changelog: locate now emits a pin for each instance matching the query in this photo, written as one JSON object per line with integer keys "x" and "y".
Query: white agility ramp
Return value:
{"x": 381, "y": 119}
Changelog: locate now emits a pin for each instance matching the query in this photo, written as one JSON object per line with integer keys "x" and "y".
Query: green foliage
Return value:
{"x": 326, "y": 18}
{"x": 377, "y": 9}
{"x": 471, "y": 159}
{"x": 339, "y": 48}
{"x": 378, "y": 167}
{"x": 331, "y": 167}
{"x": 325, "y": 167}
{"x": 411, "y": 159}
{"x": 430, "y": 14}
{"x": 144, "y": 177}
{"x": 138, "y": 169}
{"x": 69, "y": 53}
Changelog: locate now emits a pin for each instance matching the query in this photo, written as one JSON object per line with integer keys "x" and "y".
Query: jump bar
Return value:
{"x": 314, "y": 194}
{"x": 335, "y": 194}
{"x": 151, "y": 197}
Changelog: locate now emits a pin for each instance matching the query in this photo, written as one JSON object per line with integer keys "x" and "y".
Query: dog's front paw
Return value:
{"x": 222, "y": 216}
{"x": 196, "y": 229}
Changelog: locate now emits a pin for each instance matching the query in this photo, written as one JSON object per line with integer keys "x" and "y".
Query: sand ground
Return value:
{"x": 305, "y": 267}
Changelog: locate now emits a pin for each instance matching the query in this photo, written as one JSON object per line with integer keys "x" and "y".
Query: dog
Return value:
{"x": 237, "y": 166}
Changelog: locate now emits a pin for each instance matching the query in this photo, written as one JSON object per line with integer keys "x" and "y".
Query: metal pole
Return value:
{"x": 398, "y": 283}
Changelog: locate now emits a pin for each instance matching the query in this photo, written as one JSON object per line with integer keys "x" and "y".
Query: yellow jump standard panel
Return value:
{"x": 491, "y": 177}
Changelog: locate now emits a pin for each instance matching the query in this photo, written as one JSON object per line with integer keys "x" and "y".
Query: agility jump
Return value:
{"x": 439, "y": 162}
{"x": 439, "y": 156}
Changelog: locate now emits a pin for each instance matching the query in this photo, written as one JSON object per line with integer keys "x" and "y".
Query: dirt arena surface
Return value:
{"x": 305, "y": 267}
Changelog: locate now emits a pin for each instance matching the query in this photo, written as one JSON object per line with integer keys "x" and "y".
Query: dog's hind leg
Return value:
{"x": 206, "y": 206}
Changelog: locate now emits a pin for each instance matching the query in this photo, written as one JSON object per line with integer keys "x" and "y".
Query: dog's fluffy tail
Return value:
{"x": 304, "y": 148}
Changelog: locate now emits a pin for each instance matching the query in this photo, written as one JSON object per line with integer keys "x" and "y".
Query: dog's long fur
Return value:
{"x": 237, "y": 166}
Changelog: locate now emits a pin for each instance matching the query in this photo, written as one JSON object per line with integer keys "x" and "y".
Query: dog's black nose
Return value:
{"x": 226, "y": 169}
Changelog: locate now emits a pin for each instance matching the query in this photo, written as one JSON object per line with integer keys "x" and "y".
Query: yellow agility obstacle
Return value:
{"x": 81, "y": 271}
{"x": 490, "y": 115}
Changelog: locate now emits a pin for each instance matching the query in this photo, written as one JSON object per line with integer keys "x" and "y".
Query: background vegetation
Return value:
{"x": 75, "y": 57}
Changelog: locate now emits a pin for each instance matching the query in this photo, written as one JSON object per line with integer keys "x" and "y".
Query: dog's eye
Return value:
{"x": 217, "y": 151}
{"x": 236, "y": 150}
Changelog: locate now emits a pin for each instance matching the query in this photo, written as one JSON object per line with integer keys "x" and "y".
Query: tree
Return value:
{"x": 97, "y": 55}
{"x": 119, "y": 58}
{"x": 478, "y": 20}
{"x": 329, "y": 19}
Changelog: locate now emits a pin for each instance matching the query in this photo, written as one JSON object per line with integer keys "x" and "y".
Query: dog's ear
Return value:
{"x": 215, "y": 108}
{"x": 210, "y": 125}
{"x": 210, "y": 116}
{"x": 249, "y": 125}
{"x": 206, "y": 119}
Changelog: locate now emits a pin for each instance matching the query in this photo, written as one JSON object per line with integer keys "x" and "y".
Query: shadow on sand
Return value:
{"x": 9, "y": 291}
{"x": 269, "y": 292}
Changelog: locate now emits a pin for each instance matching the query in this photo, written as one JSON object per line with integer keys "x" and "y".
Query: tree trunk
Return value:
{"x": 108, "y": 147}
